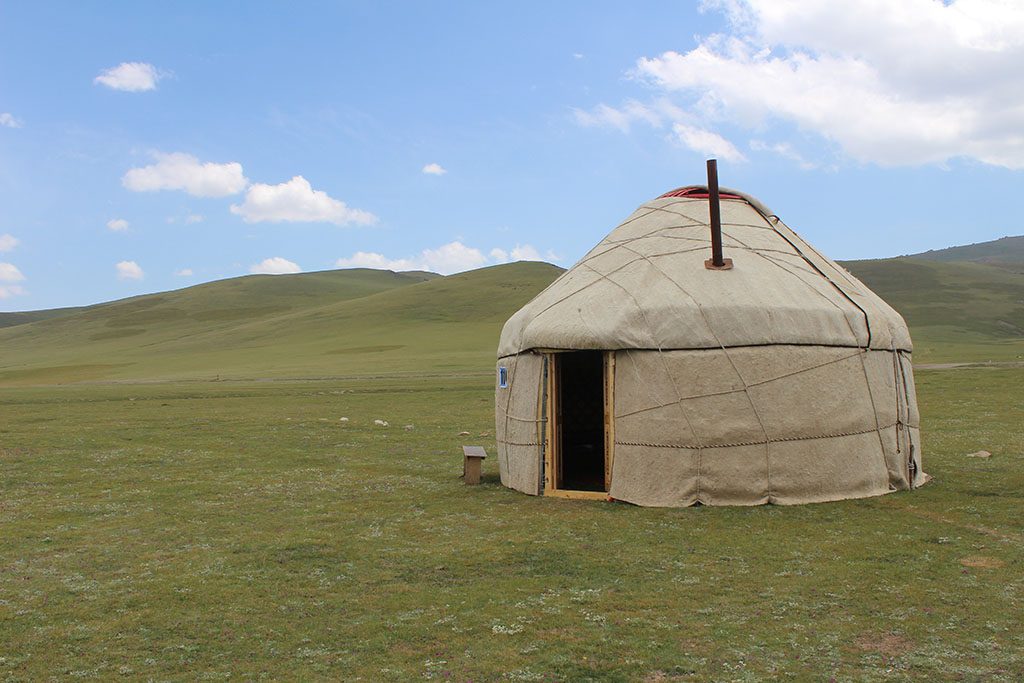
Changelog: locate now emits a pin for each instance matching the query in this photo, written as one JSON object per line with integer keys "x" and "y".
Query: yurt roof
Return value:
{"x": 645, "y": 286}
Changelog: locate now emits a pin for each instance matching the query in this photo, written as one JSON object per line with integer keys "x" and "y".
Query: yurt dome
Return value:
{"x": 646, "y": 374}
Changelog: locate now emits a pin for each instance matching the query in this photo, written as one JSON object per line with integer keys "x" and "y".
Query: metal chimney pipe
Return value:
{"x": 717, "y": 261}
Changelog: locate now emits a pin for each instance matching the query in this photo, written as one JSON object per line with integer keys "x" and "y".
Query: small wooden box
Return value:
{"x": 472, "y": 465}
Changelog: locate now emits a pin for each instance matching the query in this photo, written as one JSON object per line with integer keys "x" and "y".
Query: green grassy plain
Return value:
{"x": 180, "y": 500}
{"x": 241, "y": 530}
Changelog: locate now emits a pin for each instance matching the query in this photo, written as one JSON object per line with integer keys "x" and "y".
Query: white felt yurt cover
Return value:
{"x": 782, "y": 380}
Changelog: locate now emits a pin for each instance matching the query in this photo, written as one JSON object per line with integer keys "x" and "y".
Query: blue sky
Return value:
{"x": 148, "y": 146}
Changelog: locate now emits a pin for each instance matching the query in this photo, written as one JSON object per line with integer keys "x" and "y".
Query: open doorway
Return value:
{"x": 578, "y": 457}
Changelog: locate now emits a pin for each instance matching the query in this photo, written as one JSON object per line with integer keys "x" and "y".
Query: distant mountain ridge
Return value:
{"x": 960, "y": 303}
{"x": 328, "y": 323}
{"x": 1005, "y": 252}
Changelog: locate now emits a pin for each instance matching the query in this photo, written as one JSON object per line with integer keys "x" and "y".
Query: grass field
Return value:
{"x": 241, "y": 530}
{"x": 180, "y": 500}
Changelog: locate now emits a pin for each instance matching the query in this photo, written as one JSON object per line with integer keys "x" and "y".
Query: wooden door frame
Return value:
{"x": 552, "y": 455}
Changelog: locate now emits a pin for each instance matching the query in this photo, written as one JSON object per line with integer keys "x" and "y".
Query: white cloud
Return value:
{"x": 194, "y": 218}
{"x": 7, "y": 120}
{"x": 622, "y": 118}
{"x": 8, "y": 242}
{"x": 297, "y": 202}
{"x": 117, "y": 224}
{"x": 184, "y": 272}
{"x": 785, "y": 150}
{"x": 525, "y": 252}
{"x": 179, "y": 171}
{"x": 275, "y": 266}
{"x": 658, "y": 114}
{"x": 10, "y": 273}
{"x": 7, "y": 291}
{"x": 129, "y": 270}
{"x": 434, "y": 169}
{"x": 706, "y": 142}
{"x": 370, "y": 259}
{"x": 449, "y": 258}
{"x": 453, "y": 257}
{"x": 129, "y": 77}
{"x": 893, "y": 83}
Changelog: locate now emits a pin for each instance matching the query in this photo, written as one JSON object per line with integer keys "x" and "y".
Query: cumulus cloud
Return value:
{"x": 193, "y": 218}
{"x": 7, "y": 120}
{"x": 371, "y": 259}
{"x": 7, "y": 291}
{"x": 130, "y": 77}
{"x": 434, "y": 169}
{"x": 449, "y": 258}
{"x": 117, "y": 224}
{"x": 180, "y": 171}
{"x": 706, "y": 142}
{"x": 653, "y": 114}
{"x": 520, "y": 252}
{"x": 525, "y": 252}
{"x": 783, "y": 149}
{"x": 8, "y": 242}
{"x": 275, "y": 265}
{"x": 453, "y": 257}
{"x": 10, "y": 273}
{"x": 297, "y": 202}
{"x": 184, "y": 272}
{"x": 892, "y": 83}
{"x": 128, "y": 270}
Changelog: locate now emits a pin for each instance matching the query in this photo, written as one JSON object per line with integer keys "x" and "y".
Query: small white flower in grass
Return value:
{"x": 507, "y": 630}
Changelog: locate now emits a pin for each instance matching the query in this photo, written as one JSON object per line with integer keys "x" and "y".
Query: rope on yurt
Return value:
{"x": 862, "y": 351}
{"x": 675, "y": 389}
{"x": 778, "y": 439}
{"x": 689, "y": 397}
{"x": 778, "y": 221}
{"x": 725, "y": 352}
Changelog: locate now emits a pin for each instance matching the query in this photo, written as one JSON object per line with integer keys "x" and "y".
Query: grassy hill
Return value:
{"x": 24, "y": 317}
{"x": 958, "y": 311}
{"x": 961, "y": 308}
{"x": 1005, "y": 252}
{"x": 315, "y": 324}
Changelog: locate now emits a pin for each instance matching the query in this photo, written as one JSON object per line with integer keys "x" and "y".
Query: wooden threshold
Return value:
{"x": 576, "y": 495}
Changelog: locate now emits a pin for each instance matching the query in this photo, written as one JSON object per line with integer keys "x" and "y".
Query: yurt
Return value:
{"x": 703, "y": 353}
